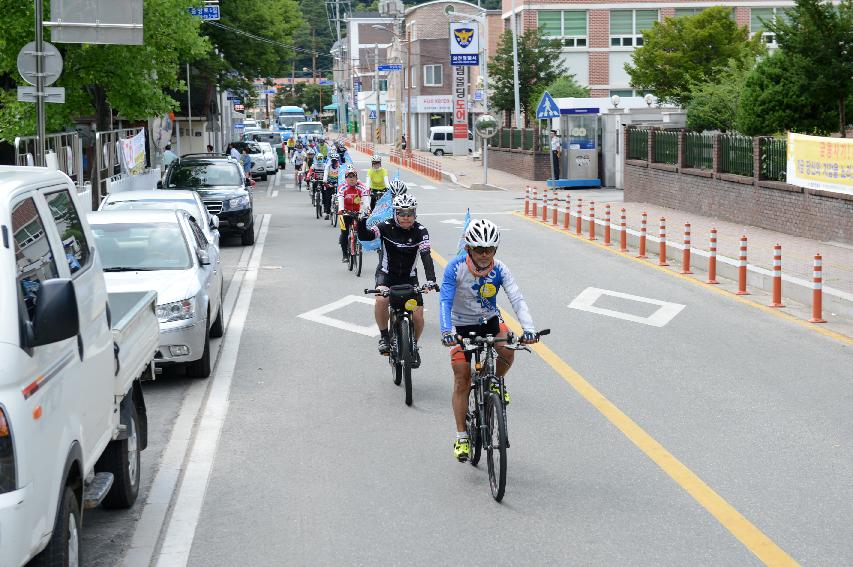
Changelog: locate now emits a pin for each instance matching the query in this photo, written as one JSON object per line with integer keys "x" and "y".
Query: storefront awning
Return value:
{"x": 333, "y": 106}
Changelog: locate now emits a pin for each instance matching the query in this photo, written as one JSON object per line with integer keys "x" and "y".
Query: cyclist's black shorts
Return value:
{"x": 297, "y": 166}
{"x": 375, "y": 195}
{"x": 493, "y": 326}
{"x": 387, "y": 280}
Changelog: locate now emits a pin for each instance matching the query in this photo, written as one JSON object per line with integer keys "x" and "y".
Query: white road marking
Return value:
{"x": 453, "y": 221}
{"x": 180, "y": 531}
{"x": 319, "y": 316}
{"x": 275, "y": 194}
{"x": 412, "y": 184}
{"x": 664, "y": 314}
{"x": 462, "y": 213}
{"x": 278, "y": 175}
{"x": 428, "y": 186}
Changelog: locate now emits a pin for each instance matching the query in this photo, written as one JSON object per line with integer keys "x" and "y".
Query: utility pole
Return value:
{"x": 515, "y": 66}
{"x": 40, "y": 116}
{"x": 409, "y": 66}
{"x": 189, "y": 112}
{"x": 313, "y": 58}
{"x": 376, "y": 90}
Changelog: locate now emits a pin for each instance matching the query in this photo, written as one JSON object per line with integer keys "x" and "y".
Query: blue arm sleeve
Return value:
{"x": 448, "y": 292}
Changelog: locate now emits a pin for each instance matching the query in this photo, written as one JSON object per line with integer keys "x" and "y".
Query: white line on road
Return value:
{"x": 663, "y": 315}
{"x": 319, "y": 316}
{"x": 427, "y": 186}
{"x": 277, "y": 178}
{"x": 457, "y": 213}
{"x": 275, "y": 194}
{"x": 189, "y": 498}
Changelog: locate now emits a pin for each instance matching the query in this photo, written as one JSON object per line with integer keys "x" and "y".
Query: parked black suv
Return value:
{"x": 223, "y": 188}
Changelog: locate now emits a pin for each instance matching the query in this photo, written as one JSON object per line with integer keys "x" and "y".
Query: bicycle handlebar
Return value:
{"x": 470, "y": 344}
{"x": 386, "y": 292}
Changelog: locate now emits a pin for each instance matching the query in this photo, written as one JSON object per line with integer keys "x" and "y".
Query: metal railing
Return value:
{"x": 698, "y": 150}
{"x": 108, "y": 162}
{"x": 666, "y": 146}
{"x": 638, "y": 143}
{"x": 65, "y": 147}
{"x": 736, "y": 155}
{"x": 773, "y": 155}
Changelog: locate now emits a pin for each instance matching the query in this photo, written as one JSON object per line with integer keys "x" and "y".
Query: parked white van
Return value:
{"x": 440, "y": 140}
{"x": 72, "y": 412}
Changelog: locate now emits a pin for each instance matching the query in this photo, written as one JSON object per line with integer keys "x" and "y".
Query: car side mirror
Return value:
{"x": 203, "y": 258}
{"x": 160, "y": 184}
{"x": 56, "y": 317}
{"x": 214, "y": 221}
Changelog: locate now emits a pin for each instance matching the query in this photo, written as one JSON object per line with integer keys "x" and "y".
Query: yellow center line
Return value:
{"x": 714, "y": 289}
{"x": 748, "y": 534}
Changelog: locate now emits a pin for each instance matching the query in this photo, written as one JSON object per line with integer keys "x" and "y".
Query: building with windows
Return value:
{"x": 598, "y": 36}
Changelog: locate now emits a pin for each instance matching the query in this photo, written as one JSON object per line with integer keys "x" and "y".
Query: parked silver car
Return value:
{"x": 189, "y": 201}
{"x": 166, "y": 251}
{"x": 270, "y": 159}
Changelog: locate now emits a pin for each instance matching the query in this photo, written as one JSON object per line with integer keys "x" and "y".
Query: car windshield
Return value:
{"x": 288, "y": 121}
{"x": 310, "y": 129}
{"x": 126, "y": 247}
{"x": 253, "y": 147}
{"x": 187, "y": 205}
{"x": 203, "y": 175}
{"x": 266, "y": 146}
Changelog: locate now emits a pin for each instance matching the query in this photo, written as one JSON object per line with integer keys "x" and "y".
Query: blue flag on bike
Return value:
{"x": 382, "y": 211}
{"x": 460, "y": 251}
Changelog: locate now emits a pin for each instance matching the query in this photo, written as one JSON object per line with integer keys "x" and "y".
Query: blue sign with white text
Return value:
{"x": 205, "y": 13}
{"x": 390, "y": 68}
{"x": 459, "y": 59}
{"x": 579, "y": 111}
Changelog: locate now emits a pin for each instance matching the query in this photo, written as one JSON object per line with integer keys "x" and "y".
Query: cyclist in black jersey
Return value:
{"x": 403, "y": 239}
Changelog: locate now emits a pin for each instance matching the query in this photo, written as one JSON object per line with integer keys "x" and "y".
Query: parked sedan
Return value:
{"x": 270, "y": 159}
{"x": 166, "y": 251}
{"x": 189, "y": 201}
{"x": 259, "y": 164}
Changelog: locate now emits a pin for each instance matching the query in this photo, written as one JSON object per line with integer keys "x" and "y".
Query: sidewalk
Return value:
{"x": 797, "y": 253}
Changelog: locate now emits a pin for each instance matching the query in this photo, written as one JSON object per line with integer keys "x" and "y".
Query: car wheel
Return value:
{"x": 64, "y": 545}
{"x": 121, "y": 458}
{"x": 248, "y": 236}
{"x": 264, "y": 176}
{"x": 218, "y": 329}
{"x": 201, "y": 367}
{"x": 439, "y": 152}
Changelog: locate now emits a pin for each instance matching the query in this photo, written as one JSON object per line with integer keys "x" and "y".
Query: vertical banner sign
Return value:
{"x": 820, "y": 163}
{"x": 464, "y": 43}
{"x": 460, "y": 111}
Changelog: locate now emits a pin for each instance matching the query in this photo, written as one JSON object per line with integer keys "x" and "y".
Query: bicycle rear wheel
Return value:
{"x": 318, "y": 204}
{"x": 404, "y": 354}
{"x": 496, "y": 445}
{"x": 472, "y": 425}
{"x": 359, "y": 258}
{"x": 334, "y": 216}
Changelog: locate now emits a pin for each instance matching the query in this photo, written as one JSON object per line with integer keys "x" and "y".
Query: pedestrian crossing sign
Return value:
{"x": 372, "y": 115}
{"x": 547, "y": 108}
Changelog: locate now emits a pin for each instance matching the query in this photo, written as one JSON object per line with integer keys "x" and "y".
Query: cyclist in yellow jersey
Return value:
{"x": 377, "y": 180}
{"x": 291, "y": 145}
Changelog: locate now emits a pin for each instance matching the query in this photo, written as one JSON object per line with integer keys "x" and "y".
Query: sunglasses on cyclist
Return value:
{"x": 484, "y": 249}
{"x": 351, "y": 175}
{"x": 405, "y": 213}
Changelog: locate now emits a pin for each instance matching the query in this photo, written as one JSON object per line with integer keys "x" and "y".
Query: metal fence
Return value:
{"x": 666, "y": 146}
{"x": 736, "y": 155}
{"x": 638, "y": 143}
{"x": 773, "y": 155}
{"x": 64, "y": 147}
{"x": 698, "y": 150}
{"x": 107, "y": 160}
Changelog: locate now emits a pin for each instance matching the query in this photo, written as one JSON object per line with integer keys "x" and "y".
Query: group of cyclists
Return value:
{"x": 470, "y": 284}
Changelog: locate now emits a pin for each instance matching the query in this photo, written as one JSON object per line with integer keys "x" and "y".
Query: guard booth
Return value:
{"x": 579, "y": 138}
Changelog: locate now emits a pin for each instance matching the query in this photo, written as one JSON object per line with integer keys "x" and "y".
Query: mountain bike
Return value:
{"x": 318, "y": 197}
{"x": 333, "y": 216}
{"x": 299, "y": 177}
{"x": 401, "y": 331}
{"x": 354, "y": 250}
{"x": 485, "y": 420}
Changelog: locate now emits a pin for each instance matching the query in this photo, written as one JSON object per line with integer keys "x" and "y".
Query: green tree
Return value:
{"x": 777, "y": 96}
{"x": 817, "y": 39}
{"x": 691, "y": 50}
{"x": 714, "y": 105}
{"x": 315, "y": 97}
{"x": 539, "y": 63}
{"x": 562, "y": 87}
{"x": 315, "y": 37}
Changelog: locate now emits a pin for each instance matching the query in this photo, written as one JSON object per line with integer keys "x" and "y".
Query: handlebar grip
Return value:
{"x": 544, "y": 332}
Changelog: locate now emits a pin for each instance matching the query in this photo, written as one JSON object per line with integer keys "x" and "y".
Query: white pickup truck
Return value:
{"x": 72, "y": 413}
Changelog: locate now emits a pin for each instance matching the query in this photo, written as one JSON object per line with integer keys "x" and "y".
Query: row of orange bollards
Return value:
{"x": 531, "y": 208}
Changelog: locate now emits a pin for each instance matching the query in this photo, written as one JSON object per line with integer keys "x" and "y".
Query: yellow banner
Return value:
{"x": 820, "y": 163}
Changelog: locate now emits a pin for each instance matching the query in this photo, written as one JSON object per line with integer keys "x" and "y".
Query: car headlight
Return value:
{"x": 238, "y": 202}
{"x": 176, "y": 311}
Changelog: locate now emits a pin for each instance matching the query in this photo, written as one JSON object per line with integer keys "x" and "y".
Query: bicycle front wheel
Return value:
{"x": 404, "y": 350}
{"x": 334, "y": 216}
{"x": 359, "y": 258}
{"x": 472, "y": 425}
{"x": 496, "y": 445}
{"x": 351, "y": 248}
{"x": 318, "y": 205}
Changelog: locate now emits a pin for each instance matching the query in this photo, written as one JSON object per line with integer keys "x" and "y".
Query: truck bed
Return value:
{"x": 136, "y": 332}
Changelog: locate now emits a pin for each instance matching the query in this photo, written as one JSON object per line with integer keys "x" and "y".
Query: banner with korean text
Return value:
{"x": 820, "y": 163}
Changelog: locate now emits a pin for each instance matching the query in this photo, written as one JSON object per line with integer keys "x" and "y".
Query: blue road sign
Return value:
{"x": 390, "y": 67}
{"x": 239, "y": 125}
{"x": 579, "y": 110}
{"x": 372, "y": 115}
{"x": 326, "y": 82}
{"x": 206, "y": 12}
{"x": 234, "y": 98}
{"x": 269, "y": 91}
{"x": 547, "y": 108}
{"x": 478, "y": 95}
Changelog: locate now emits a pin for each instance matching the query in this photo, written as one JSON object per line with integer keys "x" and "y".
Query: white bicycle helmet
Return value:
{"x": 398, "y": 187}
{"x": 405, "y": 201}
{"x": 484, "y": 233}
{"x": 333, "y": 154}
{"x": 376, "y": 159}
{"x": 350, "y": 169}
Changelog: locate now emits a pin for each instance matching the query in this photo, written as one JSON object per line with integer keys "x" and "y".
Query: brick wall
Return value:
{"x": 525, "y": 164}
{"x": 598, "y": 28}
{"x": 766, "y": 204}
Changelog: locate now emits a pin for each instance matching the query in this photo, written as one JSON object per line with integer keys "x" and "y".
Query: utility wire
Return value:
{"x": 216, "y": 24}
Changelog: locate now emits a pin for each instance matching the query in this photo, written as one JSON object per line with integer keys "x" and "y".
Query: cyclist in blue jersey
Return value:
{"x": 469, "y": 303}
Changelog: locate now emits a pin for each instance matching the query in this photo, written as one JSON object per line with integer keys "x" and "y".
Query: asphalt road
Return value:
{"x": 664, "y": 424}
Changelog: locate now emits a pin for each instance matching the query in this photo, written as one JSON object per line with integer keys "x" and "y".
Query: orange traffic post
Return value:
{"x": 662, "y": 243}
{"x": 555, "y": 207}
{"x": 592, "y": 220}
{"x": 817, "y": 291}
{"x": 623, "y": 233}
{"x": 579, "y": 217}
{"x": 567, "y": 212}
{"x": 741, "y": 268}
{"x": 685, "y": 254}
{"x": 527, "y": 202}
{"x": 712, "y": 258}
{"x": 535, "y": 203}
{"x": 607, "y": 224}
{"x": 545, "y": 205}
{"x": 777, "y": 277}
{"x": 643, "y": 222}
